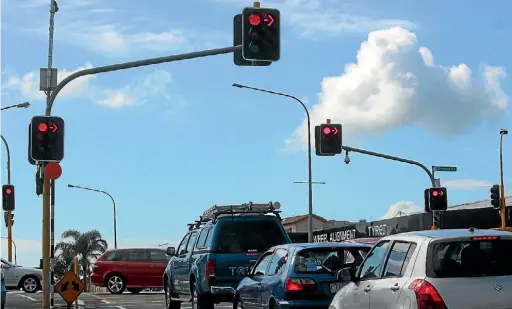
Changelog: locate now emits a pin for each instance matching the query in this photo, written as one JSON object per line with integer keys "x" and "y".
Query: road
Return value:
{"x": 144, "y": 300}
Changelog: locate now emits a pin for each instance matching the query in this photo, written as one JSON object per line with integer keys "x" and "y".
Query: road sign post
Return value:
{"x": 70, "y": 287}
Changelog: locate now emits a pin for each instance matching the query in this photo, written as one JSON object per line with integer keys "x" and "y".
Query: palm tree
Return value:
{"x": 63, "y": 262}
{"x": 87, "y": 246}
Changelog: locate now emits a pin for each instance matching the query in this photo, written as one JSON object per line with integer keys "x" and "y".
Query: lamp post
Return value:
{"x": 310, "y": 177}
{"x": 21, "y": 105}
{"x": 503, "y": 208}
{"x": 15, "y": 249}
{"x": 113, "y": 202}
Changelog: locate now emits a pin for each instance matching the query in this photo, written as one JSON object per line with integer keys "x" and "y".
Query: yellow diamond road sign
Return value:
{"x": 70, "y": 287}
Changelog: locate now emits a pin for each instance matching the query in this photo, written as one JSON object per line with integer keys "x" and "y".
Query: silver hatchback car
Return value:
{"x": 439, "y": 269}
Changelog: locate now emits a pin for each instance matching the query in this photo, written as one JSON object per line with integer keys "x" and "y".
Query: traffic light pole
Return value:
{"x": 403, "y": 160}
{"x": 51, "y": 98}
{"x": 135, "y": 64}
{"x": 503, "y": 209}
{"x": 436, "y": 215}
{"x": 9, "y": 213}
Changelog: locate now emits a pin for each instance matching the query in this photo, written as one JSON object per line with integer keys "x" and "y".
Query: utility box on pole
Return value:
{"x": 43, "y": 79}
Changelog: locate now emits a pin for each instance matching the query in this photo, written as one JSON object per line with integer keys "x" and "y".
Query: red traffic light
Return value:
{"x": 330, "y": 130}
{"x": 43, "y": 127}
{"x": 254, "y": 20}
{"x": 8, "y": 191}
{"x": 436, "y": 193}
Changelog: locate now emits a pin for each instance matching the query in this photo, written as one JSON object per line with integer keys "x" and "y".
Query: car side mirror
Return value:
{"x": 345, "y": 275}
{"x": 171, "y": 251}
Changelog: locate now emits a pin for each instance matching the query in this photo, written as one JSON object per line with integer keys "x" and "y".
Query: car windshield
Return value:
{"x": 470, "y": 259}
{"x": 247, "y": 235}
{"x": 318, "y": 260}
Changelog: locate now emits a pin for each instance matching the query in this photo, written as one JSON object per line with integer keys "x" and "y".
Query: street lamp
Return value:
{"x": 113, "y": 202}
{"x": 310, "y": 176}
{"x": 21, "y": 105}
{"x": 503, "y": 215}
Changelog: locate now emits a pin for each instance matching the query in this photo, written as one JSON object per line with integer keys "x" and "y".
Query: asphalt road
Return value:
{"x": 144, "y": 300}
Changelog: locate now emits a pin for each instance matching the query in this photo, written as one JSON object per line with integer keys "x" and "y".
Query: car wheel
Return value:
{"x": 169, "y": 303}
{"x": 30, "y": 284}
{"x": 200, "y": 301}
{"x": 116, "y": 284}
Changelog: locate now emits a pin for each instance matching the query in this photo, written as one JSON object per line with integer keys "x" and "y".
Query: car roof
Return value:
{"x": 322, "y": 245}
{"x": 449, "y": 233}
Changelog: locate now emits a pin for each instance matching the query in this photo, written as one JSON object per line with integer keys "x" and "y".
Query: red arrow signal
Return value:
{"x": 269, "y": 20}
{"x": 53, "y": 127}
{"x": 335, "y": 130}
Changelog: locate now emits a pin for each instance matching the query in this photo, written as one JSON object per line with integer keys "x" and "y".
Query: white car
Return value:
{"x": 439, "y": 269}
{"x": 26, "y": 278}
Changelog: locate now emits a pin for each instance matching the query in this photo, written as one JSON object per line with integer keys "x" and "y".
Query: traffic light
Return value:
{"x": 495, "y": 197}
{"x": 426, "y": 195}
{"x": 6, "y": 218}
{"x": 261, "y": 34}
{"x": 8, "y": 198}
{"x": 438, "y": 199}
{"x": 330, "y": 139}
{"x": 238, "y": 59}
{"x": 47, "y": 139}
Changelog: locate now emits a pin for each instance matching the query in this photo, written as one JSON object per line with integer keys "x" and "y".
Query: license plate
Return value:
{"x": 335, "y": 287}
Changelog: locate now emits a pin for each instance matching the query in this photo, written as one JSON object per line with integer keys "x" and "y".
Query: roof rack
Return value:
{"x": 248, "y": 208}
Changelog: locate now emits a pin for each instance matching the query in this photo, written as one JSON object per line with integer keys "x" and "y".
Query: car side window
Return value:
{"x": 398, "y": 259}
{"x": 183, "y": 244}
{"x": 158, "y": 256}
{"x": 372, "y": 266}
{"x": 114, "y": 256}
{"x": 278, "y": 262}
{"x": 191, "y": 242}
{"x": 203, "y": 237}
{"x": 261, "y": 268}
{"x": 139, "y": 256}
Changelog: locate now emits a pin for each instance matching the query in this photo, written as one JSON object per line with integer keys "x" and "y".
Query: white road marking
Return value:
{"x": 27, "y": 297}
{"x": 120, "y": 307}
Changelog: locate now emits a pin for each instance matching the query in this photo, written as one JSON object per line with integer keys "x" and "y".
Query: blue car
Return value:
{"x": 298, "y": 275}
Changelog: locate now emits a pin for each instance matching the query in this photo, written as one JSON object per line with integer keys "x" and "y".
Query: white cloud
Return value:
{"x": 401, "y": 208}
{"x": 466, "y": 184}
{"x": 395, "y": 83}
{"x": 28, "y": 84}
{"x": 331, "y": 17}
{"x": 28, "y": 251}
{"x": 156, "y": 83}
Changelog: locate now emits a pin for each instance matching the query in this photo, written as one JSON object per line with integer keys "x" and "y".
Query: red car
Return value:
{"x": 130, "y": 269}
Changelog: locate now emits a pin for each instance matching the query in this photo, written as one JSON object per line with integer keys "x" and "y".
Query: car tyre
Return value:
{"x": 30, "y": 284}
{"x": 116, "y": 284}
{"x": 200, "y": 301}
{"x": 169, "y": 303}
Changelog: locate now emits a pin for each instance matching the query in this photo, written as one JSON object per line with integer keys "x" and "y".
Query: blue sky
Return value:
{"x": 170, "y": 140}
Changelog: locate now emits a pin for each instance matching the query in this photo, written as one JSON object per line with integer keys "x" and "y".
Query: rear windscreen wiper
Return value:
{"x": 322, "y": 264}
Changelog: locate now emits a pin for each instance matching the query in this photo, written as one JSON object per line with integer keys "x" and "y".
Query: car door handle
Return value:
{"x": 395, "y": 287}
{"x": 367, "y": 289}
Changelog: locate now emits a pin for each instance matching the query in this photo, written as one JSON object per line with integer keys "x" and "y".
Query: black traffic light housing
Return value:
{"x": 8, "y": 203}
{"x": 47, "y": 139}
{"x": 438, "y": 200}
{"x": 426, "y": 196}
{"x": 495, "y": 197}
{"x": 238, "y": 59}
{"x": 261, "y": 33}
{"x": 6, "y": 216}
{"x": 330, "y": 141}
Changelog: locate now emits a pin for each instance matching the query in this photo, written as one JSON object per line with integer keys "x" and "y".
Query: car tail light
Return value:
{"x": 427, "y": 296}
{"x": 299, "y": 285}
{"x": 210, "y": 269}
{"x": 483, "y": 238}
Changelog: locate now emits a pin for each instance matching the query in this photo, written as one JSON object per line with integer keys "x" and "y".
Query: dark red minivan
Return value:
{"x": 130, "y": 269}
